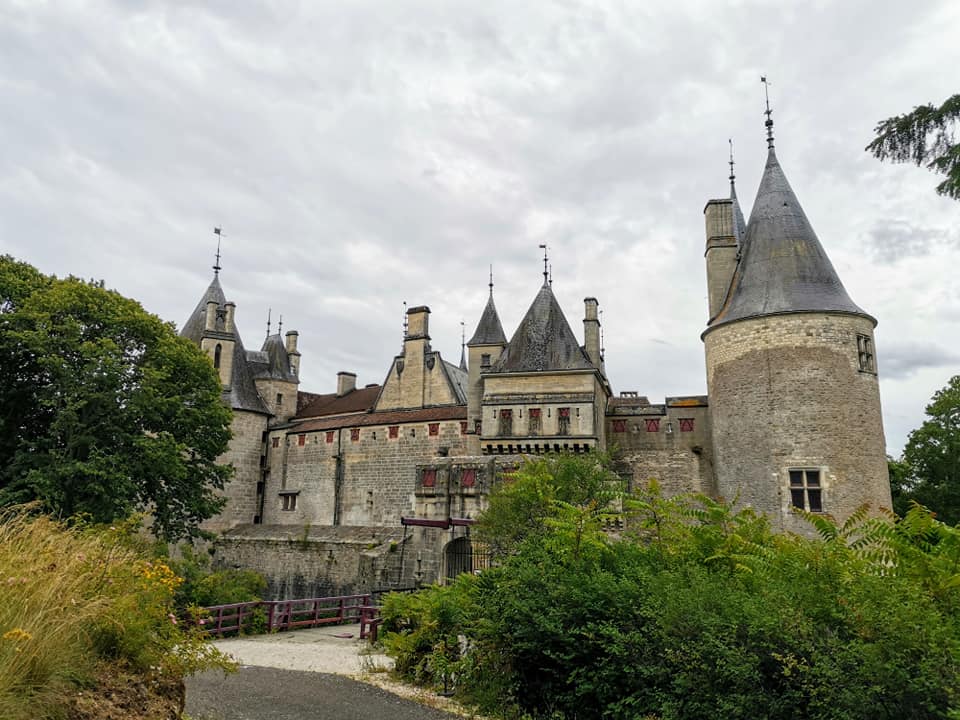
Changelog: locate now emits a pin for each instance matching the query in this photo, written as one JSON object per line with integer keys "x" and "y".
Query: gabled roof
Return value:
{"x": 783, "y": 267}
{"x": 458, "y": 380}
{"x": 543, "y": 340}
{"x": 194, "y": 326}
{"x": 489, "y": 329}
{"x": 355, "y": 401}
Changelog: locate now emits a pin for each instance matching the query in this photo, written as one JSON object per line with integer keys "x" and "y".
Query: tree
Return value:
{"x": 104, "y": 410}
{"x": 932, "y": 456}
{"x": 924, "y": 137}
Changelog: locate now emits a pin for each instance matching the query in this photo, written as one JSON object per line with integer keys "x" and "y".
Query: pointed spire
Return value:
{"x": 543, "y": 340}
{"x": 783, "y": 267}
{"x": 463, "y": 346}
{"x": 216, "y": 265}
{"x": 489, "y": 330}
{"x": 768, "y": 112}
{"x": 739, "y": 225}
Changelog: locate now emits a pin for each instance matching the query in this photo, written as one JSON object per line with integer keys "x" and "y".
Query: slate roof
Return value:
{"x": 242, "y": 394}
{"x": 355, "y": 401}
{"x": 543, "y": 340}
{"x": 458, "y": 380}
{"x": 194, "y": 326}
{"x": 739, "y": 226}
{"x": 783, "y": 267}
{"x": 389, "y": 417}
{"x": 272, "y": 361}
{"x": 489, "y": 329}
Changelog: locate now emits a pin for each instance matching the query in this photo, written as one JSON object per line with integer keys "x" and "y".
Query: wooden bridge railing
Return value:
{"x": 275, "y": 615}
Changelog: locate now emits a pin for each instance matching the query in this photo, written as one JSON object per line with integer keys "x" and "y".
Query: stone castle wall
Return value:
{"x": 246, "y": 448}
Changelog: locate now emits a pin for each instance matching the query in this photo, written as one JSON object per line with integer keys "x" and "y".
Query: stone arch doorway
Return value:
{"x": 462, "y": 555}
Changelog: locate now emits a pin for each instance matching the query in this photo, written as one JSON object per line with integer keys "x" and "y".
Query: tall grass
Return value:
{"x": 72, "y": 597}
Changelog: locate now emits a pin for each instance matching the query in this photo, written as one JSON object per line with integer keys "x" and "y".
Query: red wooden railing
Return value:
{"x": 292, "y": 614}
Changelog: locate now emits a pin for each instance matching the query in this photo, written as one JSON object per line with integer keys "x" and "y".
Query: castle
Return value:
{"x": 375, "y": 487}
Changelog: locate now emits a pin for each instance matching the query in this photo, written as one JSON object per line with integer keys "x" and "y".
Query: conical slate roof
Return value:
{"x": 242, "y": 394}
{"x": 489, "y": 330}
{"x": 739, "y": 226}
{"x": 543, "y": 340}
{"x": 194, "y": 326}
{"x": 277, "y": 366}
{"x": 783, "y": 267}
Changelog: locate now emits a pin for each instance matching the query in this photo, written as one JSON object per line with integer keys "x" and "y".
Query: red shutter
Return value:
{"x": 429, "y": 478}
{"x": 534, "y": 412}
{"x": 653, "y": 424}
{"x": 394, "y": 431}
{"x": 329, "y": 436}
{"x": 564, "y": 412}
{"x": 355, "y": 434}
{"x": 619, "y": 425}
{"x": 463, "y": 427}
{"x": 434, "y": 428}
{"x": 301, "y": 439}
{"x": 469, "y": 478}
{"x": 686, "y": 424}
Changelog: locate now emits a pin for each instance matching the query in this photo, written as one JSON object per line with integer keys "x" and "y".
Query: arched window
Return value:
{"x": 216, "y": 355}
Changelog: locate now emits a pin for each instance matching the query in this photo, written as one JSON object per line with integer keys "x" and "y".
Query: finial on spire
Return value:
{"x": 280, "y": 325}
{"x": 603, "y": 350}
{"x": 463, "y": 346}
{"x": 405, "y": 322}
{"x": 546, "y": 272}
{"x": 216, "y": 266}
{"x": 269, "y": 311}
{"x": 491, "y": 280}
{"x": 768, "y": 112}
{"x": 551, "y": 274}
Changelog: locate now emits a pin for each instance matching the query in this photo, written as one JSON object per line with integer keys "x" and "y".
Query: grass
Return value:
{"x": 72, "y": 598}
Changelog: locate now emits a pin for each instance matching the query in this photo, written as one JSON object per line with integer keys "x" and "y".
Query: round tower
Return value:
{"x": 792, "y": 374}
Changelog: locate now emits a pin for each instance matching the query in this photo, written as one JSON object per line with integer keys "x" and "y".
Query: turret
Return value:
{"x": 794, "y": 400}
{"x": 484, "y": 348}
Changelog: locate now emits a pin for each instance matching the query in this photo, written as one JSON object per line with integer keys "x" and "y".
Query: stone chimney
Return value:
{"x": 210, "y": 316}
{"x": 720, "y": 253}
{"x": 292, "y": 353}
{"x": 229, "y": 310}
{"x": 591, "y": 330}
{"x": 346, "y": 382}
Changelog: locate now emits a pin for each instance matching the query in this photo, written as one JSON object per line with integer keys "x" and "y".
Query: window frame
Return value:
{"x": 805, "y": 484}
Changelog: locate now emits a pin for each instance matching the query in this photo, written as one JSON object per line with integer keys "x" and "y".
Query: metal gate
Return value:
{"x": 462, "y": 555}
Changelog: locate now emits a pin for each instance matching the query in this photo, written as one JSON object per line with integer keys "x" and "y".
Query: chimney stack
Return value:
{"x": 346, "y": 382}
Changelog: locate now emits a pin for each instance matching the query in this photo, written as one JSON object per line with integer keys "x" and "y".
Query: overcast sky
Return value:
{"x": 363, "y": 154}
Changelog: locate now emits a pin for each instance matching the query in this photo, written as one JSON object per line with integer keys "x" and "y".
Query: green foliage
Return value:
{"x": 929, "y": 472}
{"x": 696, "y": 609}
{"x": 74, "y": 597}
{"x": 924, "y": 137}
{"x": 203, "y": 587}
{"x": 104, "y": 410}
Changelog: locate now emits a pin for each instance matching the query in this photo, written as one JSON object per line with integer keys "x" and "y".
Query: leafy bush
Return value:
{"x": 694, "y": 610}
{"x": 72, "y": 597}
{"x": 202, "y": 587}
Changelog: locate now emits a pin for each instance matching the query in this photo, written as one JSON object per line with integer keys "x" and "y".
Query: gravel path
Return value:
{"x": 303, "y": 675}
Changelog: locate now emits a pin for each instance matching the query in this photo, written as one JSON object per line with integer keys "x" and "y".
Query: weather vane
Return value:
{"x": 216, "y": 266}
{"x": 768, "y": 112}
{"x": 546, "y": 272}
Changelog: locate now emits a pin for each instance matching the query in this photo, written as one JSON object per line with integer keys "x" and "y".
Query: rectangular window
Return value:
{"x": 865, "y": 354}
{"x": 463, "y": 427}
{"x": 429, "y": 477}
{"x": 686, "y": 424}
{"x": 301, "y": 439}
{"x": 469, "y": 478}
{"x": 434, "y": 428}
{"x": 563, "y": 421}
{"x": 506, "y": 423}
{"x": 394, "y": 432}
{"x": 619, "y": 425}
{"x": 653, "y": 424}
{"x": 329, "y": 437}
{"x": 289, "y": 501}
{"x": 275, "y": 442}
{"x": 533, "y": 421}
{"x": 806, "y": 492}
{"x": 354, "y": 434}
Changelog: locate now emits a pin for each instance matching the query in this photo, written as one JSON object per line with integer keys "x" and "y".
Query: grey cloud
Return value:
{"x": 901, "y": 360}
{"x": 893, "y": 240}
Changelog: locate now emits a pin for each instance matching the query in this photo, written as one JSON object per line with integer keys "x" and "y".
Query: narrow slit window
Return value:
{"x": 865, "y": 354}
